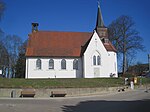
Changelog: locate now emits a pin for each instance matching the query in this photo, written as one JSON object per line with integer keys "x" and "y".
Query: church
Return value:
{"x": 52, "y": 54}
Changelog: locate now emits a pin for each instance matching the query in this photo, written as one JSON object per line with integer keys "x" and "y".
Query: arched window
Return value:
{"x": 38, "y": 64}
{"x": 63, "y": 64}
{"x": 51, "y": 64}
{"x": 75, "y": 64}
{"x": 94, "y": 60}
{"x": 98, "y": 60}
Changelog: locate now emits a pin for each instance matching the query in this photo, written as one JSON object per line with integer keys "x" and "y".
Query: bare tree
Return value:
{"x": 125, "y": 38}
{"x": 3, "y": 51}
{"x": 3, "y": 58}
{"x": 12, "y": 44}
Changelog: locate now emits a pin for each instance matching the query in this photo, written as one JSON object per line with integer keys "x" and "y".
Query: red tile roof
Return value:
{"x": 59, "y": 44}
{"x": 110, "y": 47}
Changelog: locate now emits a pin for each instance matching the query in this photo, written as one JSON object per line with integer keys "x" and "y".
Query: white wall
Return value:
{"x": 108, "y": 59}
{"x": 32, "y": 72}
{"x": 85, "y": 64}
{"x": 113, "y": 63}
{"x": 0, "y": 72}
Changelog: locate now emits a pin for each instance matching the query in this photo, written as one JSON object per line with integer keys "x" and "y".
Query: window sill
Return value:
{"x": 63, "y": 70}
{"x": 50, "y": 69}
{"x": 38, "y": 69}
{"x": 75, "y": 70}
{"x": 96, "y": 65}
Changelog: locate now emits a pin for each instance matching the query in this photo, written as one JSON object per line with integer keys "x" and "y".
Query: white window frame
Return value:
{"x": 51, "y": 64}
{"x": 38, "y": 64}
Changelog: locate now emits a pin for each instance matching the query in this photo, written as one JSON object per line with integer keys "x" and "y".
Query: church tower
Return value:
{"x": 100, "y": 28}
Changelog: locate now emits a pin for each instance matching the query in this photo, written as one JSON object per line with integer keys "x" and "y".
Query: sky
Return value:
{"x": 74, "y": 15}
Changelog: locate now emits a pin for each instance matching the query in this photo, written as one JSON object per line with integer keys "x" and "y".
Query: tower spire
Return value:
{"x": 100, "y": 27}
{"x": 99, "y": 22}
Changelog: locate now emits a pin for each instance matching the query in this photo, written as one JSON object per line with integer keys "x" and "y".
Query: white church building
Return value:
{"x": 52, "y": 54}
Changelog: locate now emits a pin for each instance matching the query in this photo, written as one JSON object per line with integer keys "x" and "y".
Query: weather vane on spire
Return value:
{"x": 98, "y": 2}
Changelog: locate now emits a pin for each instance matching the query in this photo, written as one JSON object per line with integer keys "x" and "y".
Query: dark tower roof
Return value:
{"x": 99, "y": 22}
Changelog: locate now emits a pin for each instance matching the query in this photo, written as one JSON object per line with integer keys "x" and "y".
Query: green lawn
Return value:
{"x": 63, "y": 83}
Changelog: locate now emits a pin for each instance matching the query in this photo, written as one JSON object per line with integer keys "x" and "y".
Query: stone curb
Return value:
{"x": 71, "y": 92}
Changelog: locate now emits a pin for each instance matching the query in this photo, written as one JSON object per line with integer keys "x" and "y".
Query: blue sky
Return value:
{"x": 74, "y": 15}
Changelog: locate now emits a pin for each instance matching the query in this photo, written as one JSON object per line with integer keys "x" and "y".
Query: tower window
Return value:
{"x": 106, "y": 40}
{"x": 103, "y": 34}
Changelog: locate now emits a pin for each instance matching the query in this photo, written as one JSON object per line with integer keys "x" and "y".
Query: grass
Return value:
{"x": 60, "y": 83}
{"x": 64, "y": 83}
{"x": 144, "y": 81}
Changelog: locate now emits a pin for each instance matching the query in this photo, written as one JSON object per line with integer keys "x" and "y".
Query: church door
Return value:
{"x": 96, "y": 72}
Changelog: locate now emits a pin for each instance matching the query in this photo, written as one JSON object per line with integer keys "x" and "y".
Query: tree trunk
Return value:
{"x": 124, "y": 67}
{"x": 8, "y": 72}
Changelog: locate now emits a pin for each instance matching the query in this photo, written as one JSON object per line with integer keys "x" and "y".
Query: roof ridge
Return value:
{"x": 64, "y": 31}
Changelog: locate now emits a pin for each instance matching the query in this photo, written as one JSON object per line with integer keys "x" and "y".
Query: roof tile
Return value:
{"x": 58, "y": 44}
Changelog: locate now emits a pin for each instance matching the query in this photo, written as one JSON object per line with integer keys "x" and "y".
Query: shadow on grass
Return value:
{"x": 109, "y": 106}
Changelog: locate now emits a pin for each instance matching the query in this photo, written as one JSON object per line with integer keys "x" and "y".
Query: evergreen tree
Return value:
{"x": 21, "y": 62}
